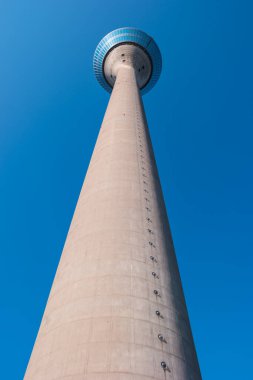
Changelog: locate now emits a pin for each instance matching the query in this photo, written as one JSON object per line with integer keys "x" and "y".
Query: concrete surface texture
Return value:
{"x": 116, "y": 310}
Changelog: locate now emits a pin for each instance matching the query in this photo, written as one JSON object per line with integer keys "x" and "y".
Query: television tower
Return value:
{"x": 116, "y": 310}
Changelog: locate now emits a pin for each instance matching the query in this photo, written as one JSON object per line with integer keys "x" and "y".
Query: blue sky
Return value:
{"x": 200, "y": 117}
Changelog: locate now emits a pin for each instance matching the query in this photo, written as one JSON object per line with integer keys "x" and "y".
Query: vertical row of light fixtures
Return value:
{"x": 148, "y": 210}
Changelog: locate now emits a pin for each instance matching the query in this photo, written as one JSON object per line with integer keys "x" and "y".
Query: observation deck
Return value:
{"x": 127, "y": 46}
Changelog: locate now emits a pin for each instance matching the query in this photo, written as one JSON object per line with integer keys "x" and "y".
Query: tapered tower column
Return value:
{"x": 116, "y": 310}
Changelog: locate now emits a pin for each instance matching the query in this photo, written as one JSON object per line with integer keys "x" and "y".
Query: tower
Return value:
{"x": 116, "y": 310}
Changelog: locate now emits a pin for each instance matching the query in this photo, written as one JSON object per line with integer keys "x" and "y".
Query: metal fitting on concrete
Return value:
{"x": 165, "y": 367}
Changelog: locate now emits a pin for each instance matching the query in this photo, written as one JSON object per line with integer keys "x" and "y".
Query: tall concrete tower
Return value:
{"x": 116, "y": 310}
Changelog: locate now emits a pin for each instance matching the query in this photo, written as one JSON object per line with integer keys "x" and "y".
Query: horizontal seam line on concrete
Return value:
{"x": 112, "y": 275}
{"x": 126, "y": 343}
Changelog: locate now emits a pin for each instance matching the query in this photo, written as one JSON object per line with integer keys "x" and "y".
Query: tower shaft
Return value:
{"x": 116, "y": 309}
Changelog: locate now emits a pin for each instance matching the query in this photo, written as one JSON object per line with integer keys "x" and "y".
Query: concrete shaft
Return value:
{"x": 116, "y": 309}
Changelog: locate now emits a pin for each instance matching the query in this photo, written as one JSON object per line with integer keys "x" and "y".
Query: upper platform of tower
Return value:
{"x": 127, "y": 46}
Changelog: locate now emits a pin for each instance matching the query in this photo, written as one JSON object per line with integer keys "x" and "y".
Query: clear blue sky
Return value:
{"x": 200, "y": 117}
